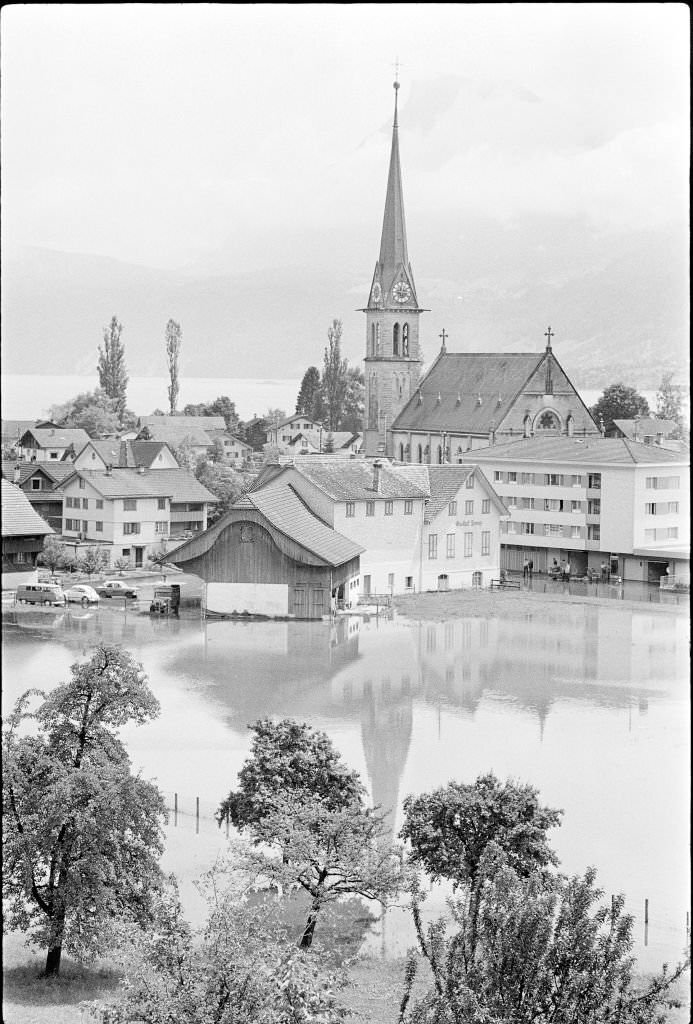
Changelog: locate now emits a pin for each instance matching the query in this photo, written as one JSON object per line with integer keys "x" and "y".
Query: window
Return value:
{"x": 391, "y": 582}
{"x": 85, "y": 502}
{"x": 72, "y": 524}
{"x": 36, "y": 485}
{"x": 672, "y": 532}
{"x": 131, "y": 528}
{"x": 452, "y": 508}
{"x": 408, "y": 507}
{"x": 82, "y": 485}
{"x": 485, "y": 542}
{"x": 388, "y": 508}
{"x": 99, "y": 526}
{"x": 129, "y": 504}
{"x": 85, "y": 525}
{"x": 512, "y": 478}
{"x": 576, "y": 480}
{"x": 370, "y": 508}
{"x": 650, "y": 508}
{"x": 161, "y": 503}
{"x": 527, "y": 503}
{"x": 553, "y": 479}
{"x": 575, "y": 532}
{"x": 593, "y": 533}
{"x": 663, "y": 483}
{"x": 672, "y": 506}
{"x": 553, "y": 530}
{"x": 468, "y": 543}
{"x": 469, "y": 508}
{"x": 53, "y": 455}
{"x": 350, "y": 509}
{"x": 161, "y": 526}
{"x": 470, "y": 482}
{"x": 594, "y": 480}
{"x": 594, "y": 507}
{"x": 526, "y": 478}
{"x": 450, "y": 545}
{"x": 529, "y": 527}
{"x": 409, "y": 582}
{"x": 497, "y": 476}
{"x": 99, "y": 502}
{"x": 432, "y": 545}
{"x": 576, "y": 506}
{"x": 485, "y": 506}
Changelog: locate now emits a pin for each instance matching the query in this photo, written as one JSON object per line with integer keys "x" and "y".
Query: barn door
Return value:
{"x": 299, "y": 603}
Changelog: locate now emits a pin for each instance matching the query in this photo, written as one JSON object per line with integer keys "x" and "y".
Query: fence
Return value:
{"x": 192, "y": 814}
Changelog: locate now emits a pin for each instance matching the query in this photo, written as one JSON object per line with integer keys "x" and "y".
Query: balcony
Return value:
{"x": 593, "y": 518}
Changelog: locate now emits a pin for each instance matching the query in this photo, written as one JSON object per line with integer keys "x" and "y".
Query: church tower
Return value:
{"x": 393, "y": 353}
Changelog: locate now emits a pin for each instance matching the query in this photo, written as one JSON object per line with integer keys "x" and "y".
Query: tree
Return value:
{"x": 541, "y": 949}
{"x": 310, "y": 399}
{"x": 334, "y": 376}
{"x": 255, "y": 433}
{"x": 225, "y": 483}
{"x": 669, "y": 403}
{"x": 354, "y": 401}
{"x": 184, "y": 453}
{"x": 94, "y": 412}
{"x": 82, "y": 834}
{"x": 113, "y": 377}
{"x": 53, "y": 555}
{"x": 221, "y": 406}
{"x": 450, "y": 828}
{"x": 174, "y": 340}
{"x": 298, "y": 798}
{"x": 236, "y": 970}
{"x": 328, "y": 851}
{"x": 93, "y": 560}
{"x": 305, "y": 761}
{"x": 618, "y": 402}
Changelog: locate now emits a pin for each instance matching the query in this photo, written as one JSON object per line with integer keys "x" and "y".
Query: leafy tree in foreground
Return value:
{"x": 450, "y": 829}
{"x": 235, "y": 971}
{"x": 82, "y": 834}
{"x": 299, "y": 799}
{"x": 539, "y": 950}
{"x": 174, "y": 340}
{"x": 94, "y": 412}
{"x": 225, "y": 483}
{"x": 53, "y": 555}
{"x": 296, "y": 758}
{"x": 93, "y": 560}
{"x": 113, "y": 377}
{"x": 618, "y": 402}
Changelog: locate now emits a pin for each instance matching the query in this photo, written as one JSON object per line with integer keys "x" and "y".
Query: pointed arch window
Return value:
{"x": 377, "y": 339}
{"x": 405, "y": 340}
{"x": 549, "y": 421}
{"x": 570, "y": 425}
{"x": 395, "y": 340}
{"x": 372, "y": 339}
{"x": 527, "y": 425}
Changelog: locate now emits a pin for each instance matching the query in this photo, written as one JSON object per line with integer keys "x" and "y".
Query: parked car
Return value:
{"x": 40, "y": 593}
{"x": 116, "y": 588}
{"x": 83, "y": 593}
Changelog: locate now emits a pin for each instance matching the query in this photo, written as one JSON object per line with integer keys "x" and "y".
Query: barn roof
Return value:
{"x": 18, "y": 516}
{"x": 353, "y": 480}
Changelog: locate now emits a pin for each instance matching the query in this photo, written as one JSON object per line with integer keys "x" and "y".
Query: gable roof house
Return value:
{"x": 133, "y": 513}
{"x": 52, "y": 444}
{"x": 39, "y": 480}
{"x": 470, "y": 400}
{"x": 98, "y": 455}
{"x": 23, "y": 534}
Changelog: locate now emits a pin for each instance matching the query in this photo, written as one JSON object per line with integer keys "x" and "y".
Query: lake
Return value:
{"x": 589, "y": 703}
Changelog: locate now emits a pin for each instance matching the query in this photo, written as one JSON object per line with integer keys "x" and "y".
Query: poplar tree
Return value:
{"x": 334, "y": 376}
{"x": 113, "y": 378}
{"x": 174, "y": 340}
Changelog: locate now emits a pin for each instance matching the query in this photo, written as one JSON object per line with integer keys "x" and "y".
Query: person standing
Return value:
{"x": 530, "y": 567}
{"x": 605, "y": 571}
{"x": 566, "y": 571}
{"x": 525, "y": 569}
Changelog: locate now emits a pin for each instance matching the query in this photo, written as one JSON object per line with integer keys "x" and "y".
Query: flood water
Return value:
{"x": 588, "y": 703}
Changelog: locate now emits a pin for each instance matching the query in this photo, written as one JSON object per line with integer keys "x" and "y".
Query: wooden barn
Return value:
{"x": 270, "y": 555}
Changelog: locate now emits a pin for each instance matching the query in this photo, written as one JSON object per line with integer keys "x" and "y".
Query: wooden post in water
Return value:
{"x": 197, "y": 814}
{"x": 647, "y": 911}
{"x": 175, "y": 810}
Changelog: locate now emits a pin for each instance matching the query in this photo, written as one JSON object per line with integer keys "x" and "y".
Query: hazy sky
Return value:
{"x": 163, "y": 134}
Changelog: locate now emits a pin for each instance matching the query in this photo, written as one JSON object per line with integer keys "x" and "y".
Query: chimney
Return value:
{"x": 376, "y": 476}
{"x": 109, "y": 469}
{"x": 140, "y": 469}
{"x": 17, "y": 475}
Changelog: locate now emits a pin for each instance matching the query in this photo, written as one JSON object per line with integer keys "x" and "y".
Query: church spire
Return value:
{"x": 393, "y": 243}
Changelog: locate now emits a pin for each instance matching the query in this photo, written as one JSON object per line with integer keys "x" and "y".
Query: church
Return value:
{"x": 465, "y": 400}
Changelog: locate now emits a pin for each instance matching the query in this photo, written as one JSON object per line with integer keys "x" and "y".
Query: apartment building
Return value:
{"x": 591, "y": 501}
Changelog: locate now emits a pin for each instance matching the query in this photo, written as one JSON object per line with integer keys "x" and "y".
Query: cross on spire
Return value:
{"x": 549, "y": 334}
{"x": 443, "y": 335}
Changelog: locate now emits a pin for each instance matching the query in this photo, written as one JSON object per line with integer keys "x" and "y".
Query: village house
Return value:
{"x": 119, "y": 454}
{"x": 592, "y": 501}
{"x": 197, "y": 434}
{"x": 281, "y": 434}
{"x": 236, "y": 451}
{"x": 14, "y": 430}
{"x": 51, "y": 443}
{"x": 39, "y": 480}
{"x": 316, "y": 442}
{"x": 23, "y": 534}
{"x": 271, "y": 555}
{"x": 133, "y": 513}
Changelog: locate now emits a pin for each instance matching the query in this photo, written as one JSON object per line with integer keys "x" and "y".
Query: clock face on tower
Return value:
{"x": 401, "y": 292}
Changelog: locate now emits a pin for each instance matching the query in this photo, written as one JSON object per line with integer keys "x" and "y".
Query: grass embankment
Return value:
{"x": 438, "y": 606}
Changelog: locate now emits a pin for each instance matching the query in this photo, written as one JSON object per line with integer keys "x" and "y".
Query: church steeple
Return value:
{"x": 393, "y": 353}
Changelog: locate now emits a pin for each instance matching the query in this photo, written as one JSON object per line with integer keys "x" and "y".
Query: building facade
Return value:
{"x": 592, "y": 501}
{"x": 23, "y": 534}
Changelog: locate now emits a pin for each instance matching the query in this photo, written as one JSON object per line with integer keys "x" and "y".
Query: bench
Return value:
{"x": 506, "y": 584}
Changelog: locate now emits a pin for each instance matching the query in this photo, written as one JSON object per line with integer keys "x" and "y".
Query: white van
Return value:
{"x": 40, "y": 593}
